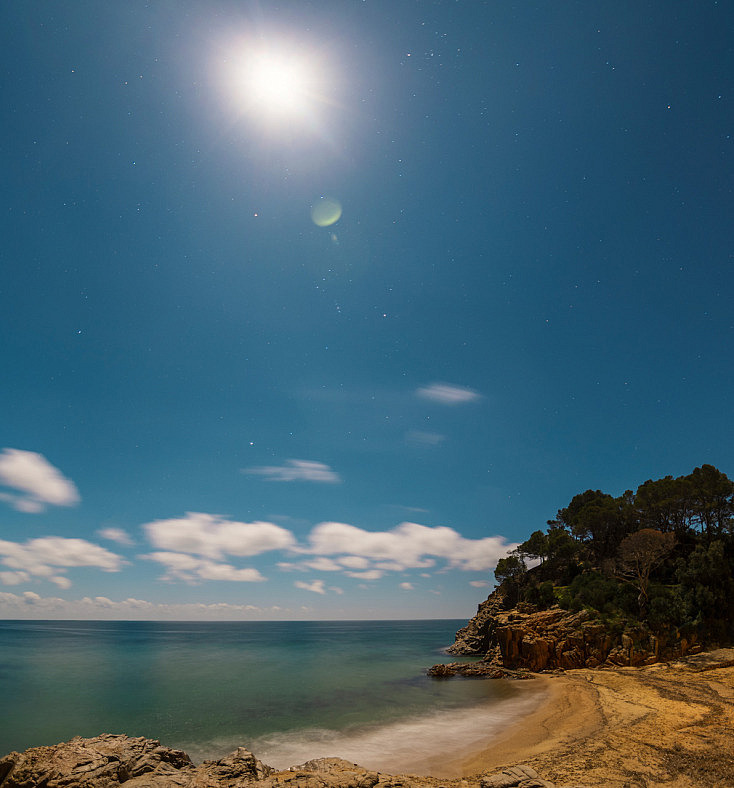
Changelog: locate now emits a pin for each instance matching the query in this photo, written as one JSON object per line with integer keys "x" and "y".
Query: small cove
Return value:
{"x": 289, "y": 691}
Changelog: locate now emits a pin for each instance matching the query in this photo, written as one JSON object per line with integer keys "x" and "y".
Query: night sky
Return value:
{"x": 217, "y": 402}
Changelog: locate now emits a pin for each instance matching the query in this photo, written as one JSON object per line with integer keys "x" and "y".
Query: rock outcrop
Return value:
{"x": 110, "y": 760}
{"x": 476, "y": 637}
{"x": 537, "y": 640}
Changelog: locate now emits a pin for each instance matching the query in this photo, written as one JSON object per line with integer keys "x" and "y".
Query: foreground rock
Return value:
{"x": 109, "y": 760}
{"x": 537, "y": 640}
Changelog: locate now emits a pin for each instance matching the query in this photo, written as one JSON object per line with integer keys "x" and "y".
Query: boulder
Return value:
{"x": 102, "y": 762}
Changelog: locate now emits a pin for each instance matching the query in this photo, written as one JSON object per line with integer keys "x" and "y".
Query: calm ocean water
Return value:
{"x": 289, "y": 691}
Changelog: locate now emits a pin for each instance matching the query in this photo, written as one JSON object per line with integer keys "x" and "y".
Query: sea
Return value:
{"x": 287, "y": 691}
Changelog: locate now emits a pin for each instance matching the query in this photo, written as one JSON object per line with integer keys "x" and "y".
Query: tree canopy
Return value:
{"x": 672, "y": 540}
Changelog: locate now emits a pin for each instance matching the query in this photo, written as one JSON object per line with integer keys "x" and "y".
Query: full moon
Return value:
{"x": 279, "y": 84}
{"x": 276, "y": 84}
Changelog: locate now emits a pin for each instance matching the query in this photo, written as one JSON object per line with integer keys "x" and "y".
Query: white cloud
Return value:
{"x": 38, "y": 482}
{"x": 191, "y": 569}
{"x": 355, "y": 562}
{"x": 408, "y": 546}
{"x": 446, "y": 394}
{"x": 480, "y": 583}
{"x": 323, "y": 564}
{"x": 116, "y": 535}
{"x": 396, "y": 566}
{"x": 46, "y": 556}
{"x": 407, "y": 586}
{"x": 370, "y": 574}
{"x": 212, "y": 536}
{"x": 209, "y": 570}
{"x": 31, "y": 605}
{"x": 14, "y": 578}
{"x": 297, "y": 471}
{"x": 20, "y": 504}
{"x": 317, "y": 587}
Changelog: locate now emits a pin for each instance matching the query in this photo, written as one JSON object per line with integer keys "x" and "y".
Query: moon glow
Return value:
{"x": 279, "y": 84}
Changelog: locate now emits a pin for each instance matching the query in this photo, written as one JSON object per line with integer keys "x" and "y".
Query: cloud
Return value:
{"x": 198, "y": 547}
{"x": 408, "y": 546}
{"x": 446, "y": 394}
{"x": 354, "y": 562}
{"x": 38, "y": 482}
{"x": 370, "y": 574}
{"x": 317, "y": 587}
{"x": 47, "y": 556}
{"x": 14, "y": 578}
{"x": 480, "y": 583}
{"x": 407, "y": 586}
{"x": 212, "y": 536}
{"x": 116, "y": 535}
{"x": 190, "y": 569}
{"x": 323, "y": 564}
{"x": 32, "y": 605}
{"x": 297, "y": 471}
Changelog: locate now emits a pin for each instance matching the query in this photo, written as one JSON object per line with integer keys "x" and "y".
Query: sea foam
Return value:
{"x": 430, "y": 744}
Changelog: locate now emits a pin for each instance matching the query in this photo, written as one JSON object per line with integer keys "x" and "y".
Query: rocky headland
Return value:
{"x": 510, "y": 642}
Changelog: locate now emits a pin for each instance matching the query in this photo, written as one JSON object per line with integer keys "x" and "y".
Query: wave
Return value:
{"x": 428, "y": 744}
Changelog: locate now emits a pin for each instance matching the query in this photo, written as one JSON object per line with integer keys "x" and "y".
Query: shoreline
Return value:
{"x": 667, "y": 724}
{"x": 568, "y": 711}
{"x": 428, "y": 744}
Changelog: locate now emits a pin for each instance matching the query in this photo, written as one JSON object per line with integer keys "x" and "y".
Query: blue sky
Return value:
{"x": 214, "y": 406}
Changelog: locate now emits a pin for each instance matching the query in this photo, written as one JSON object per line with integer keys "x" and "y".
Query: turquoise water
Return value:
{"x": 289, "y": 691}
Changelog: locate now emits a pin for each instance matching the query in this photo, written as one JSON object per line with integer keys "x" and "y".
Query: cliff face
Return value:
{"x": 477, "y": 637}
{"x": 524, "y": 637}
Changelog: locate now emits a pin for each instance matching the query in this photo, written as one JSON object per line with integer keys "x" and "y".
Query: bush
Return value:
{"x": 595, "y": 591}
{"x": 542, "y": 596}
{"x": 667, "y": 609}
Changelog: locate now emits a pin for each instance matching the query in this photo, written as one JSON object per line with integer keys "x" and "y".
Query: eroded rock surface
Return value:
{"x": 110, "y": 760}
{"x": 537, "y": 640}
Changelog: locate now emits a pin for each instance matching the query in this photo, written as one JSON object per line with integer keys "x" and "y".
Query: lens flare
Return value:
{"x": 326, "y": 211}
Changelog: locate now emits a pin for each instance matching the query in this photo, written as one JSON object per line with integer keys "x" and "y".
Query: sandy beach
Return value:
{"x": 664, "y": 725}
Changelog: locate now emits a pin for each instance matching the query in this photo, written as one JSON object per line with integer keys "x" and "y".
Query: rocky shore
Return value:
{"x": 667, "y": 725}
{"x": 526, "y": 639}
{"x": 110, "y": 760}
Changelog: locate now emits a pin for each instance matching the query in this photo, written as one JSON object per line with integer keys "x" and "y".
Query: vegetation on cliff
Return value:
{"x": 660, "y": 558}
{"x": 633, "y": 580}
